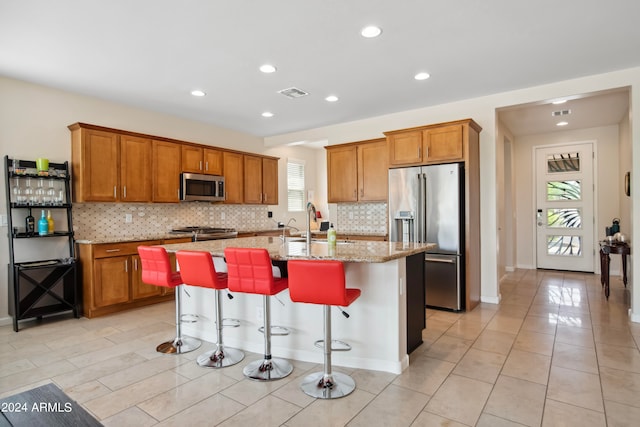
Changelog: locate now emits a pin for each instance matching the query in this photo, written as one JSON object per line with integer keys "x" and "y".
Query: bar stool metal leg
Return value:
{"x": 180, "y": 344}
{"x": 222, "y": 356}
{"x": 327, "y": 385}
{"x": 269, "y": 368}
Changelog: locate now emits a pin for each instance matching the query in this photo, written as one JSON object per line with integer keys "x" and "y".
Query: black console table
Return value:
{"x": 606, "y": 249}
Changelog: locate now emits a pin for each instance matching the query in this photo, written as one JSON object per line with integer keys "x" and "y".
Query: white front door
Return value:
{"x": 564, "y": 210}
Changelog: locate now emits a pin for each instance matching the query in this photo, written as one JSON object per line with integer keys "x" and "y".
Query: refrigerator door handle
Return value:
{"x": 420, "y": 219}
{"x": 423, "y": 208}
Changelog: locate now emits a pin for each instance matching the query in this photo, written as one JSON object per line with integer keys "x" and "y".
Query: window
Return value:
{"x": 295, "y": 185}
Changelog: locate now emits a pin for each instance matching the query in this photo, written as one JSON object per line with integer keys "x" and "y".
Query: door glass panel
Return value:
{"x": 564, "y": 218}
{"x": 564, "y": 162}
{"x": 564, "y": 245}
{"x": 563, "y": 190}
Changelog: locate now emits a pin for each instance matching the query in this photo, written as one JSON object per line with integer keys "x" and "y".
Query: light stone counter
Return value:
{"x": 346, "y": 251}
{"x": 377, "y": 328}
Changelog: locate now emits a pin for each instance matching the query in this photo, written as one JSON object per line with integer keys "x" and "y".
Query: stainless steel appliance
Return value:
{"x": 199, "y": 187}
{"x": 199, "y": 234}
{"x": 426, "y": 204}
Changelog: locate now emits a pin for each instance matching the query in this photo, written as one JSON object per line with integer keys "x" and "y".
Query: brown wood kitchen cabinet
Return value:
{"x": 234, "y": 177}
{"x": 260, "y": 180}
{"x": 109, "y": 167}
{"x": 112, "y": 277}
{"x": 166, "y": 166}
{"x": 433, "y": 144}
{"x": 357, "y": 171}
{"x": 197, "y": 159}
{"x": 95, "y": 159}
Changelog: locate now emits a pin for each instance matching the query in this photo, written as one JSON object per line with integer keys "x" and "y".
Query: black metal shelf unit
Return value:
{"x": 39, "y": 287}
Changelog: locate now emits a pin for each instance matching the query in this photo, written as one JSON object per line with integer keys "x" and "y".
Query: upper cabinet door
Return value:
{"x": 213, "y": 162}
{"x": 443, "y": 144}
{"x": 372, "y": 171}
{"x": 405, "y": 148}
{"x": 233, "y": 177}
{"x": 166, "y": 171}
{"x": 342, "y": 176}
{"x": 95, "y": 160}
{"x": 252, "y": 179}
{"x": 192, "y": 159}
{"x": 270, "y": 181}
{"x": 135, "y": 169}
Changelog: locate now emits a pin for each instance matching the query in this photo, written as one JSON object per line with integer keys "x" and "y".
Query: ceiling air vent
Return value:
{"x": 561, "y": 113}
{"x": 293, "y": 92}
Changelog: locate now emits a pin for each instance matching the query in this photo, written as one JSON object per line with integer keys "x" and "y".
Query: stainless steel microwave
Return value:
{"x": 198, "y": 187}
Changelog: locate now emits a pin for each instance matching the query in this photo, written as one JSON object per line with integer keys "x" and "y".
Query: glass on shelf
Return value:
{"x": 17, "y": 192}
{"x": 50, "y": 197}
{"x": 29, "y": 193}
{"x": 41, "y": 193}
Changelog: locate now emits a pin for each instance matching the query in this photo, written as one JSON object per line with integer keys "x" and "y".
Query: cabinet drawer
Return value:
{"x": 118, "y": 249}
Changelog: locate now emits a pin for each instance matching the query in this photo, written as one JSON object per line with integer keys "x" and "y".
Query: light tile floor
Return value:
{"x": 554, "y": 352}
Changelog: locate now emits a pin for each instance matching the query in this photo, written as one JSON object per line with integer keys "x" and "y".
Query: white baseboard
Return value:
{"x": 490, "y": 300}
{"x": 4, "y": 321}
{"x": 635, "y": 317}
{"x": 510, "y": 269}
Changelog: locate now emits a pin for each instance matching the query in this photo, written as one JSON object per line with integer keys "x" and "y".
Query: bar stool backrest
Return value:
{"x": 249, "y": 271}
{"x": 156, "y": 268}
{"x": 197, "y": 269}
{"x": 318, "y": 282}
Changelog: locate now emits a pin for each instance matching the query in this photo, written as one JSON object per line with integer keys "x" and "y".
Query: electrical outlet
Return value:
{"x": 350, "y": 215}
{"x": 222, "y": 216}
{"x": 260, "y": 313}
{"x": 269, "y": 214}
{"x": 128, "y": 218}
{"x": 3, "y": 220}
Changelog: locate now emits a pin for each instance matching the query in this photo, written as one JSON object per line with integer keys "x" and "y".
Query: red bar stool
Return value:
{"x": 323, "y": 282}
{"x": 250, "y": 271}
{"x": 197, "y": 269}
{"x": 156, "y": 270}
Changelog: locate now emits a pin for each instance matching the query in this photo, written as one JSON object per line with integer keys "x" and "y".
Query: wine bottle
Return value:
{"x": 30, "y": 224}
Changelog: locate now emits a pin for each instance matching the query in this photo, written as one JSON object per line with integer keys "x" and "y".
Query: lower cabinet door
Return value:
{"x": 111, "y": 281}
{"x": 139, "y": 289}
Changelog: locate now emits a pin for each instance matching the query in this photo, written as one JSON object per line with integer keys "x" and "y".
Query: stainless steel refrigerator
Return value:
{"x": 426, "y": 204}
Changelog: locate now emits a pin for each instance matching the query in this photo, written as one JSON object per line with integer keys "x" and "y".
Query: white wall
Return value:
{"x": 482, "y": 110}
{"x": 606, "y": 143}
{"x": 34, "y": 120}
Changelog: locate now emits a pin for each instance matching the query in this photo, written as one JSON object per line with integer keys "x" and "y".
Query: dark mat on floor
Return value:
{"x": 44, "y": 406}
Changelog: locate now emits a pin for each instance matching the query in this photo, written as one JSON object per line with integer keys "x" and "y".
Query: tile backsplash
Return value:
{"x": 361, "y": 217}
{"x": 106, "y": 220}
{"x": 100, "y": 220}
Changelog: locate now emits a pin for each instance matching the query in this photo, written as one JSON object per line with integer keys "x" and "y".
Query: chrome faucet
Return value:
{"x": 285, "y": 227}
{"x": 310, "y": 209}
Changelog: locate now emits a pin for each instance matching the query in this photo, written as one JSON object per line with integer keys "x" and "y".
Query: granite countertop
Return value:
{"x": 352, "y": 251}
{"x": 171, "y": 235}
{"x": 132, "y": 238}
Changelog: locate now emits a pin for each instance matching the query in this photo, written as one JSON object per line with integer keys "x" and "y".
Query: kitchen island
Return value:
{"x": 382, "y": 327}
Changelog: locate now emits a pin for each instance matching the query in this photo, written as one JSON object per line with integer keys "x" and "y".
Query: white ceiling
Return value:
{"x": 152, "y": 53}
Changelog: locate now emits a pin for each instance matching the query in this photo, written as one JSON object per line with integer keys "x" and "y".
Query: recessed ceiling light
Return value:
{"x": 562, "y": 123}
{"x": 560, "y": 101}
{"x": 267, "y": 68}
{"x": 421, "y": 76}
{"x": 331, "y": 98}
{"x": 371, "y": 31}
{"x": 267, "y": 114}
{"x": 197, "y": 93}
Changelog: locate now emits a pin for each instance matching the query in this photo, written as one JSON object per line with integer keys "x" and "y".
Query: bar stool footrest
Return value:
{"x": 341, "y": 345}
{"x": 230, "y": 323}
{"x": 189, "y": 318}
{"x": 275, "y": 330}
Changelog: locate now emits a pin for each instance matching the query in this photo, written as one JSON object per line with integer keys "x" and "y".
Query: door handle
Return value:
{"x": 440, "y": 260}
